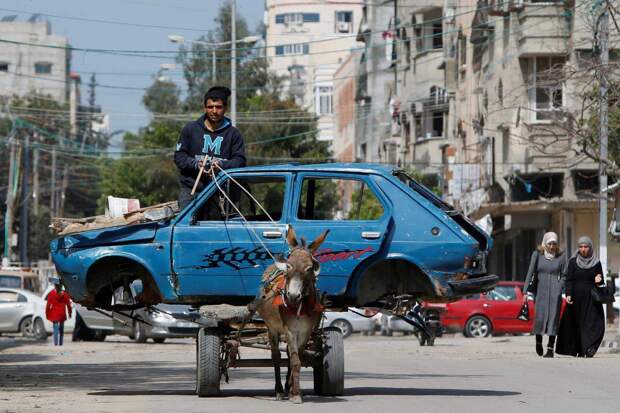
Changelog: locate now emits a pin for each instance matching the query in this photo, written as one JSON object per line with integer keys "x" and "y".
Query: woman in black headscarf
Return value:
{"x": 583, "y": 324}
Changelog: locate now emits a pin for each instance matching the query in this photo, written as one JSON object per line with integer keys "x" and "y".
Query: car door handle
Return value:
{"x": 371, "y": 234}
{"x": 486, "y": 305}
{"x": 272, "y": 234}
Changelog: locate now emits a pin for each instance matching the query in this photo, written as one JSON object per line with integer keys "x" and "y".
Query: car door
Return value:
{"x": 223, "y": 245}
{"x": 13, "y": 307}
{"x": 356, "y": 213}
{"x": 502, "y": 307}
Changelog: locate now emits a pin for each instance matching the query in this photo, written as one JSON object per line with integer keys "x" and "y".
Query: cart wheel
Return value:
{"x": 430, "y": 341}
{"x": 208, "y": 363}
{"x": 328, "y": 368}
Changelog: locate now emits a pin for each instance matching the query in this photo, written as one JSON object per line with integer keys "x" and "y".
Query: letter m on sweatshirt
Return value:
{"x": 212, "y": 146}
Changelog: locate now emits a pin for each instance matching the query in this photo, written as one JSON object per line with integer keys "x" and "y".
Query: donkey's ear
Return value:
{"x": 318, "y": 241}
{"x": 291, "y": 237}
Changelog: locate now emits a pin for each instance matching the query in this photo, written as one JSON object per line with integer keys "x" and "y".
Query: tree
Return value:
{"x": 163, "y": 96}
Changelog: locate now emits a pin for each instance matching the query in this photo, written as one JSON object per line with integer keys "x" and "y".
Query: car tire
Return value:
{"x": 159, "y": 340}
{"x": 422, "y": 339}
{"x": 344, "y": 326}
{"x": 478, "y": 326}
{"x": 27, "y": 328}
{"x": 139, "y": 332}
{"x": 328, "y": 368}
{"x": 208, "y": 371}
{"x": 39, "y": 330}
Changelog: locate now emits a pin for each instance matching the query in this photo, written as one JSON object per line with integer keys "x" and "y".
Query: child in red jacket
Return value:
{"x": 57, "y": 301}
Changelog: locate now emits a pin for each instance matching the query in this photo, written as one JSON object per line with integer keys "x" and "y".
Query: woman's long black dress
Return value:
{"x": 583, "y": 323}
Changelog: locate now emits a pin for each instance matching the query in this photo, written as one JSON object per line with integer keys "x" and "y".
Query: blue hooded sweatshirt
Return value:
{"x": 196, "y": 143}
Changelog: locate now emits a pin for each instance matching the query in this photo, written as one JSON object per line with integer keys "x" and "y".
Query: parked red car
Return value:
{"x": 481, "y": 315}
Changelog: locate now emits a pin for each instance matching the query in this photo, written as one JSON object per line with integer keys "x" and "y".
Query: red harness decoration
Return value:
{"x": 310, "y": 305}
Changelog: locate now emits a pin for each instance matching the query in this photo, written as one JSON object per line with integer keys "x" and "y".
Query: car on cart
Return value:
{"x": 392, "y": 242}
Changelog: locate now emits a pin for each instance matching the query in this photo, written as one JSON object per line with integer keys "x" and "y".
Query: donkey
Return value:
{"x": 289, "y": 306}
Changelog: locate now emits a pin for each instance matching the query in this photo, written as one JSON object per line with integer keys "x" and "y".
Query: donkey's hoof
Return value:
{"x": 296, "y": 399}
{"x": 280, "y": 396}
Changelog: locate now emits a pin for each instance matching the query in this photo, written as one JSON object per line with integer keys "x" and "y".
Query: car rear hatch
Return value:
{"x": 484, "y": 241}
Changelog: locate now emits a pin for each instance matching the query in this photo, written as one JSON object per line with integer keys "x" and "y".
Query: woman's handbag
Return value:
{"x": 533, "y": 285}
{"x": 602, "y": 295}
{"x": 524, "y": 312}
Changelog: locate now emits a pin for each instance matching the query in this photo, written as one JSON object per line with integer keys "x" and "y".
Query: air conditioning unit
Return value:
{"x": 343, "y": 27}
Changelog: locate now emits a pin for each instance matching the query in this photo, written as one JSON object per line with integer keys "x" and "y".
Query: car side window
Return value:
{"x": 503, "y": 293}
{"x": 8, "y": 297}
{"x": 268, "y": 191}
{"x": 338, "y": 199}
{"x": 21, "y": 298}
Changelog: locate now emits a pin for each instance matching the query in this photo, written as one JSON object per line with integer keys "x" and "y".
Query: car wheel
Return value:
{"x": 328, "y": 369}
{"x": 27, "y": 328}
{"x": 159, "y": 340}
{"x": 422, "y": 338}
{"x": 138, "y": 332}
{"x": 478, "y": 326}
{"x": 344, "y": 326}
{"x": 39, "y": 330}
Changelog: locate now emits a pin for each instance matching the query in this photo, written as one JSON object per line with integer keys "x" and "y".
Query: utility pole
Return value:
{"x": 10, "y": 204}
{"x": 35, "y": 178}
{"x": 73, "y": 133}
{"x": 603, "y": 44}
{"x": 233, "y": 63}
{"x": 24, "y": 209}
{"x": 53, "y": 186}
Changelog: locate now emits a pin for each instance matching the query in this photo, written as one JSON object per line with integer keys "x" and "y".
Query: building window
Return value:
{"x": 4, "y": 67}
{"x": 437, "y": 36}
{"x": 500, "y": 92}
{"x": 545, "y": 86}
{"x": 297, "y": 18}
{"x": 437, "y": 124}
{"x": 292, "y": 49}
{"x": 43, "y": 68}
{"x": 324, "y": 100}
{"x": 344, "y": 22}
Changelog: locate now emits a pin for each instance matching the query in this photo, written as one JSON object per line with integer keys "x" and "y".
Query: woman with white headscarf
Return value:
{"x": 583, "y": 323}
{"x": 544, "y": 283}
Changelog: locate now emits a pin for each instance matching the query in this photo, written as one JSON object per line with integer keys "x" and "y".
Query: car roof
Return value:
{"x": 322, "y": 167}
{"x": 28, "y": 294}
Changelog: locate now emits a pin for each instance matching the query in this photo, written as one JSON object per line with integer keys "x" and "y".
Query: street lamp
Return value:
{"x": 176, "y": 38}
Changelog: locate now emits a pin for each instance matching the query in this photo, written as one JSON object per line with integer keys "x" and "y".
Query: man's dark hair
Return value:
{"x": 217, "y": 93}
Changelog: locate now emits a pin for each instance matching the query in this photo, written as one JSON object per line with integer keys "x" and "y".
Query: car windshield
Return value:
{"x": 10, "y": 281}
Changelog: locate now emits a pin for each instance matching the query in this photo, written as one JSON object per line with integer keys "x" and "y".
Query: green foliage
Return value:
{"x": 162, "y": 97}
{"x": 366, "y": 206}
{"x": 430, "y": 181}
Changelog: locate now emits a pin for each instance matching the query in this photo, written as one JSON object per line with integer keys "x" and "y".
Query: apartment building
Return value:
{"x": 516, "y": 74}
{"x": 306, "y": 43}
{"x": 26, "y": 68}
{"x": 345, "y": 108}
{"x": 422, "y": 92}
{"x": 376, "y": 132}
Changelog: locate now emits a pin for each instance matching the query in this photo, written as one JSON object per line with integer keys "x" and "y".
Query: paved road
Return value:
{"x": 457, "y": 374}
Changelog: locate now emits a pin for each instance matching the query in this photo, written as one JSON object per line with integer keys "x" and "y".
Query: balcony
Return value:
{"x": 544, "y": 29}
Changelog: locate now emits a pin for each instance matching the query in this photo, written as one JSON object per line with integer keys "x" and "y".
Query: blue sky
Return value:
{"x": 125, "y": 106}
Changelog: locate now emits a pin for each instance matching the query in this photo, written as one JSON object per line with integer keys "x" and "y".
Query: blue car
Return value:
{"x": 389, "y": 237}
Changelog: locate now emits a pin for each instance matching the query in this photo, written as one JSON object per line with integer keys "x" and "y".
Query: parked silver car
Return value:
{"x": 157, "y": 323}
{"x": 351, "y": 321}
{"x": 22, "y": 311}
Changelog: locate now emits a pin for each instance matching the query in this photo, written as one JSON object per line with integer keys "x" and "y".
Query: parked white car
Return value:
{"x": 351, "y": 321}
{"x": 23, "y": 311}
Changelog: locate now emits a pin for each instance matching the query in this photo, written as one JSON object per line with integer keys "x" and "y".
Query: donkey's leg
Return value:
{"x": 295, "y": 366}
{"x": 274, "y": 342}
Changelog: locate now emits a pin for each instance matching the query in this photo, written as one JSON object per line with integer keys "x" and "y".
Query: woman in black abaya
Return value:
{"x": 583, "y": 323}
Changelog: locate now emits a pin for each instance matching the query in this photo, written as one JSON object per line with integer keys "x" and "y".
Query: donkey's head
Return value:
{"x": 302, "y": 267}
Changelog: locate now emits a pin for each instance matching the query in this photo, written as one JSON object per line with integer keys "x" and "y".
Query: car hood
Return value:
{"x": 109, "y": 236}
